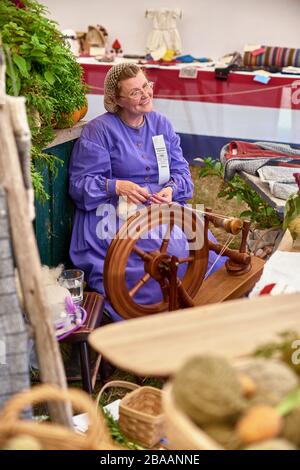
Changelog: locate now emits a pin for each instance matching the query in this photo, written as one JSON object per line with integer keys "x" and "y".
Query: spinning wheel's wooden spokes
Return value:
{"x": 139, "y": 284}
{"x": 189, "y": 259}
{"x": 165, "y": 242}
{"x": 184, "y": 295}
{"x": 157, "y": 263}
{"x": 142, "y": 254}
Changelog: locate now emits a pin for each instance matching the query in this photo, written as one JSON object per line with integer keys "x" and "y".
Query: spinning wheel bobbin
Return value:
{"x": 239, "y": 262}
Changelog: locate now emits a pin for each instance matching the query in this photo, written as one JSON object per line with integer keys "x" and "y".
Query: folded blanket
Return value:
{"x": 280, "y": 174}
{"x": 282, "y": 190}
{"x": 280, "y": 179}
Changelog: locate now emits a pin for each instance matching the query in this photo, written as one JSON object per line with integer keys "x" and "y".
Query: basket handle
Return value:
{"x": 115, "y": 383}
{"x": 41, "y": 393}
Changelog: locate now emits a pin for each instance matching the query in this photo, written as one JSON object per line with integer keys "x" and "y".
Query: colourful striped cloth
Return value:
{"x": 274, "y": 56}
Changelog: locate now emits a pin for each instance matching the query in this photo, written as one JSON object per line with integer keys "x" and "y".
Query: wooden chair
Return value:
{"x": 93, "y": 303}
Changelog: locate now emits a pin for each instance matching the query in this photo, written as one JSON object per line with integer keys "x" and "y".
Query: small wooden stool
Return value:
{"x": 93, "y": 304}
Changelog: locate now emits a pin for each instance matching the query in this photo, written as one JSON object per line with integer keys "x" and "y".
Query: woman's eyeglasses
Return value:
{"x": 137, "y": 94}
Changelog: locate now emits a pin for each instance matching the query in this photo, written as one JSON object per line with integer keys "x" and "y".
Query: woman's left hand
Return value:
{"x": 163, "y": 196}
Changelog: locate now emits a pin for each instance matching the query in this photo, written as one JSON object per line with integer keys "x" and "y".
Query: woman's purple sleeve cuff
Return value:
{"x": 111, "y": 187}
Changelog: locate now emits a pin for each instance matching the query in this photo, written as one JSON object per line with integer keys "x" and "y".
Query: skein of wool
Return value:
{"x": 271, "y": 376}
{"x": 224, "y": 434}
{"x": 208, "y": 390}
{"x": 291, "y": 428}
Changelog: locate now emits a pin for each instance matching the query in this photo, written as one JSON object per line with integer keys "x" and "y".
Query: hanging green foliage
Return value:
{"x": 41, "y": 67}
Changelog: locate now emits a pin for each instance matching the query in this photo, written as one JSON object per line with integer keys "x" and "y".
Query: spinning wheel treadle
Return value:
{"x": 161, "y": 266}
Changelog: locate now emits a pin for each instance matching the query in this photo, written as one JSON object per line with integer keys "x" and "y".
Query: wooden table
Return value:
{"x": 158, "y": 345}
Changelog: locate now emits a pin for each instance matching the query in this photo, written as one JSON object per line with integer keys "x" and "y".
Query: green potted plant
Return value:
{"x": 41, "y": 67}
{"x": 292, "y": 214}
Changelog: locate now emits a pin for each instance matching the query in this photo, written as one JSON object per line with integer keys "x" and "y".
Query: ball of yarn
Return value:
{"x": 207, "y": 389}
{"x": 263, "y": 397}
{"x": 271, "y": 375}
{"x": 224, "y": 434}
{"x": 291, "y": 427}
{"x": 272, "y": 444}
{"x": 259, "y": 423}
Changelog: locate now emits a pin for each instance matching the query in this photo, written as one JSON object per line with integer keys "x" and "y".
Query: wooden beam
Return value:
{"x": 28, "y": 263}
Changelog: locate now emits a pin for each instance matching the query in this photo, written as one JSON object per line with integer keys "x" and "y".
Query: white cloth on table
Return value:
{"x": 165, "y": 32}
{"x": 283, "y": 270}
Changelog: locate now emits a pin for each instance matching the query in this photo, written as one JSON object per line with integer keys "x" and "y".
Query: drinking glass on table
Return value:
{"x": 72, "y": 279}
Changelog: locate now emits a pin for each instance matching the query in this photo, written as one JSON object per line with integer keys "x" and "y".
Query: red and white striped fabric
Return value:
{"x": 208, "y": 113}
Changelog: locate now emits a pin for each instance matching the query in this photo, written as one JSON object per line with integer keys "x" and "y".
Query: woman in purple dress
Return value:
{"x": 130, "y": 152}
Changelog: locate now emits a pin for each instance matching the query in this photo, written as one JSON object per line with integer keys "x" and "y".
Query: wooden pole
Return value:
{"x": 28, "y": 263}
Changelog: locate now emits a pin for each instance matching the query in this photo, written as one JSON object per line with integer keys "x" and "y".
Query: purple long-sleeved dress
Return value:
{"x": 108, "y": 150}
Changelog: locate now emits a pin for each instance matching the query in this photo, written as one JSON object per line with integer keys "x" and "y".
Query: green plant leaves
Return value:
{"x": 49, "y": 77}
{"x": 291, "y": 209}
{"x": 211, "y": 168}
{"x": 246, "y": 214}
{"x": 259, "y": 211}
{"x": 35, "y": 41}
{"x": 41, "y": 68}
{"x": 289, "y": 403}
{"x": 21, "y": 64}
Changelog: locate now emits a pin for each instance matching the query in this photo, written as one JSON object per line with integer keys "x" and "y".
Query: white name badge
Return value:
{"x": 162, "y": 159}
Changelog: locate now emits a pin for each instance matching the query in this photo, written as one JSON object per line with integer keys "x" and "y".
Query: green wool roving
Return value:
{"x": 207, "y": 389}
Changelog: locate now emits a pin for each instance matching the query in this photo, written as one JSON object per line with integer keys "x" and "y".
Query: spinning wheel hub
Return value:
{"x": 159, "y": 266}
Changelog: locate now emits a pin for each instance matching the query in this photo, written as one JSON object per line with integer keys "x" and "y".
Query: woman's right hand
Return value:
{"x": 132, "y": 191}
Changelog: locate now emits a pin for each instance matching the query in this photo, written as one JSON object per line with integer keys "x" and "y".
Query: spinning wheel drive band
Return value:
{"x": 158, "y": 264}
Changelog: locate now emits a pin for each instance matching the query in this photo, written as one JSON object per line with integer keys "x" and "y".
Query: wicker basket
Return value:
{"x": 181, "y": 432}
{"x": 51, "y": 436}
{"x": 140, "y": 413}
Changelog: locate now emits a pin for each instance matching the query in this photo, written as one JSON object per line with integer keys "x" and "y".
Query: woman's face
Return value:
{"x": 136, "y": 95}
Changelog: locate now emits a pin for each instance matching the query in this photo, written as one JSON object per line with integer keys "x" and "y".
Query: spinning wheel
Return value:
{"x": 162, "y": 266}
